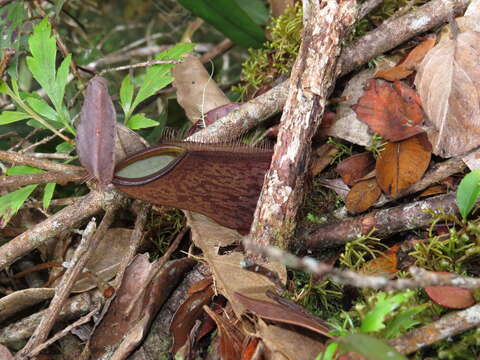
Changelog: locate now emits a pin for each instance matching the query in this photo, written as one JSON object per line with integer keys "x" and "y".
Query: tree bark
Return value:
{"x": 314, "y": 73}
{"x": 384, "y": 222}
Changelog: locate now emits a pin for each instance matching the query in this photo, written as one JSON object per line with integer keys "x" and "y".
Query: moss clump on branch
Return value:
{"x": 277, "y": 57}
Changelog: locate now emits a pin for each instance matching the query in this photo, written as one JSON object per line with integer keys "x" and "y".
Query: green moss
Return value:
{"x": 277, "y": 57}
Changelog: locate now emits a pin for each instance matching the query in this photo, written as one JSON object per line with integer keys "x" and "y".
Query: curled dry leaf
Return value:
{"x": 197, "y": 92}
{"x": 119, "y": 333}
{"x": 391, "y": 110}
{"x": 451, "y": 297}
{"x": 96, "y": 132}
{"x": 355, "y": 167}
{"x": 362, "y": 196}
{"x": 403, "y": 163}
{"x": 407, "y": 66}
{"x": 448, "y": 80}
{"x": 186, "y": 316}
{"x": 347, "y": 126}
{"x": 283, "y": 314}
{"x": 106, "y": 258}
{"x": 127, "y": 142}
{"x": 228, "y": 273}
{"x": 231, "y": 336}
{"x": 384, "y": 265}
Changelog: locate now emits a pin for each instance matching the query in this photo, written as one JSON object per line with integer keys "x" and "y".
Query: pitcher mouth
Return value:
{"x": 147, "y": 165}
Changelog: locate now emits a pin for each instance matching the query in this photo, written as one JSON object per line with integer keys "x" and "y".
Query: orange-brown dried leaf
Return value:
{"x": 231, "y": 337}
{"x": 391, "y": 110}
{"x": 362, "y": 196}
{"x": 385, "y": 265}
{"x": 200, "y": 285}
{"x": 407, "y": 66}
{"x": 403, "y": 163}
{"x": 186, "y": 316}
{"x": 433, "y": 190}
{"x": 451, "y": 297}
{"x": 249, "y": 349}
{"x": 355, "y": 167}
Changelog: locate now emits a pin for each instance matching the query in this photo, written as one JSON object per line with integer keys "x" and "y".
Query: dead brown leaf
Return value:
{"x": 186, "y": 316}
{"x": 120, "y": 332}
{"x": 407, "y": 66}
{"x": 231, "y": 336}
{"x": 355, "y": 167}
{"x": 286, "y": 342}
{"x": 197, "y": 92}
{"x": 403, "y": 163}
{"x": 105, "y": 259}
{"x": 448, "y": 80}
{"x": 228, "y": 273}
{"x": 391, "y": 110}
{"x": 284, "y": 314}
{"x": 451, "y": 297}
{"x": 362, "y": 196}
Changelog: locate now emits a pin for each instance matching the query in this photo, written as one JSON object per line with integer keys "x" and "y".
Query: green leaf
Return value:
{"x": 256, "y": 9}
{"x": 42, "y": 65}
{"x": 369, "y": 346}
{"x": 48, "y": 195}
{"x": 44, "y": 52}
{"x": 139, "y": 121}
{"x": 329, "y": 352}
{"x": 8, "y": 117}
{"x": 158, "y": 76}
{"x": 374, "y": 320}
{"x": 175, "y": 53}
{"x": 467, "y": 192}
{"x": 42, "y": 108}
{"x": 229, "y": 18}
{"x": 64, "y": 148}
{"x": 22, "y": 170}
{"x": 12, "y": 18}
{"x": 12, "y": 202}
{"x": 126, "y": 94}
{"x": 403, "y": 321}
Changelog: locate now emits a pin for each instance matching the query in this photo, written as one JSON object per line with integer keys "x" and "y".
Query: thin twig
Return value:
{"x": 83, "y": 320}
{"x": 384, "y": 222}
{"x": 14, "y": 182}
{"x": 90, "y": 241}
{"x": 142, "y": 64}
{"x": 448, "y": 326}
{"x": 61, "y": 293}
{"x": 65, "y": 219}
{"x": 420, "y": 277}
{"x": 40, "y": 142}
{"x": 20, "y": 159}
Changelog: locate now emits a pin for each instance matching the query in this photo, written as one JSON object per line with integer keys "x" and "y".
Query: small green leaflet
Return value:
{"x": 48, "y": 195}
{"x": 12, "y": 202}
{"x": 369, "y": 346}
{"x": 374, "y": 320}
{"x": 155, "y": 79}
{"x": 139, "y": 121}
{"x": 42, "y": 65}
{"x": 467, "y": 192}
{"x": 230, "y": 19}
{"x": 403, "y": 321}
{"x": 7, "y": 117}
